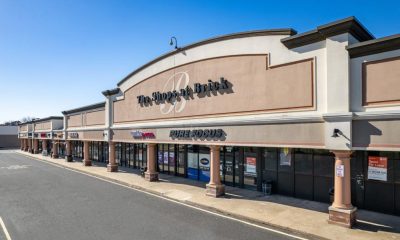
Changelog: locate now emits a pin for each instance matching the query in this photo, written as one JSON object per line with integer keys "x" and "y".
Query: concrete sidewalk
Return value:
{"x": 295, "y": 215}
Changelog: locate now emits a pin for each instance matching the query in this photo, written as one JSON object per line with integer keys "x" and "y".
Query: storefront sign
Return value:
{"x": 197, "y": 134}
{"x": 204, "y": 163}
{"x": 251, "y": 166}
{"x": 377, "y": 168}
{"x": 73, "y": 135}
{"x": 285, "y": 157}
{"x": 58, "y": 135}
{"x": 340, "y": 171}
{"x": 143, "y": 135}
{"x": 187, "y": 92}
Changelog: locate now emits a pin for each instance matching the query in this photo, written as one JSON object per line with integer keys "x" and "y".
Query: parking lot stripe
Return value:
{"x": 3, "y": 226}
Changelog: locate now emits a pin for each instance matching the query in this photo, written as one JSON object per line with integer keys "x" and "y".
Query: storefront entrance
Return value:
{"x": 376, "y": 181}
{"x": 132, "y": 155}
{"x": 77, "y": 149}
{"x": 172, "y": 159}
{"x": 301, "y": 173}
{"x": 98, "y": 151}
{"x": 240, "y": 166}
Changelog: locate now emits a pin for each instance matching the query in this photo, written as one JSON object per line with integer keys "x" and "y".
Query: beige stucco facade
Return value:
{"x": 334, "y": 88}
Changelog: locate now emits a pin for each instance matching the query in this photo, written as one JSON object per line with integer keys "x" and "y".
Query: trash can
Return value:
{"x": 267, "y": 187}
{"x": 142, "y": 171}
{"x": 331, "y": 194}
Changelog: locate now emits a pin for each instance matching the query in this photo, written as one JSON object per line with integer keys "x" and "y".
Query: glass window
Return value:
{"x": 285, "y": 160}
{"x": 250, "y": 167}
{"x": 171, "y": 159}
{"x": 303, "y": 161}
{"x": 144, "y": 152}
{"x": 270, "y": 159}
{"x": 118, "y": 152}
{"x": 131, "y": 155}
{"x": 323, "y": 163}
{"x": 397, "y": 170}
{"x": 229, "y": 165}
{"x": 204, "y": 163}
{"x": 160, "y": 157}
{"x": 181, "y": 160}
{"x": 193, "y": 162}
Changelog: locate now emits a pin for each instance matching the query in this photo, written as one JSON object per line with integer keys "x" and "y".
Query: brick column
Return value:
{"x": 112, "y": 165}
{"x": 26, "y": 144}
{"x": 68, "y": 150}
{"x": 86, "y": 157}
{"x": 214, "y": 188}
{"x": 55, "y": 150}
{"x": 35, "y": 146}
{"x": 151, "y": 174}
{"x": 44, "y": 147}
{"x": 30, "y": 149}
{"x": 342, "y": 211}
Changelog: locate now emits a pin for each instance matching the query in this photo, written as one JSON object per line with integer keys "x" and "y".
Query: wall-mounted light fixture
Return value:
{"x": 171, "y": 42}
{"x": 336, "y": 133}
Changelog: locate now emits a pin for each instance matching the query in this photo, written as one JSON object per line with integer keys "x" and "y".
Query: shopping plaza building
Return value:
{"x": 310, "y": 114}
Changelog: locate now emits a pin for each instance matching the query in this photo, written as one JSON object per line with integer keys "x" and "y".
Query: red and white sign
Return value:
{"x": 377, "y": 168}
{"x": 251, "y": 165}
{"x": 143, "y": 135}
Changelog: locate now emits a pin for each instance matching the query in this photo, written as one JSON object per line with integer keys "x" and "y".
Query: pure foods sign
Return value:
{"x": 187, "y": 92}
{"x": 214, "y": 134}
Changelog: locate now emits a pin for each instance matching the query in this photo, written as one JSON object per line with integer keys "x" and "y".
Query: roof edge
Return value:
{"x": 347, "y": 25}
{"x": 266, "y": 32}
{"x": 374, "y": 46}
{"x": 110, "y": 92}
{"x": 47, "y": 119}
{"x": 85, "y": 108}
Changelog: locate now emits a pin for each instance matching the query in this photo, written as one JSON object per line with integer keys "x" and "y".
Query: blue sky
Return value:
{"x": 60, "y": 54}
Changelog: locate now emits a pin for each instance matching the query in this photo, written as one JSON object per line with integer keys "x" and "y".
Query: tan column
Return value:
{"x": 68, "y": 151}
{"x": 55, "y": 150}
{"x": 86, "y": 157}
{"x": 342, "y": 211}
{"x": 35, "y": 146}
{"x": 214, "y": 188}
{"x": 112, "y": 165}
{"x": 44, "y": 147}
{"x": 151, "y": 174}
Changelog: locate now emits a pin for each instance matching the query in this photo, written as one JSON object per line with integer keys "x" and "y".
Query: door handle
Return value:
{"x": 360, "y": 181}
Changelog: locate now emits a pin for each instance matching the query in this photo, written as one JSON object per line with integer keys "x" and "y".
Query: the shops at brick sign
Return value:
{"x": 198, "y": 88}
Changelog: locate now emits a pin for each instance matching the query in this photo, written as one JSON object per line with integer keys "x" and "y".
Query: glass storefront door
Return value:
{"x": 230, "y": 165}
